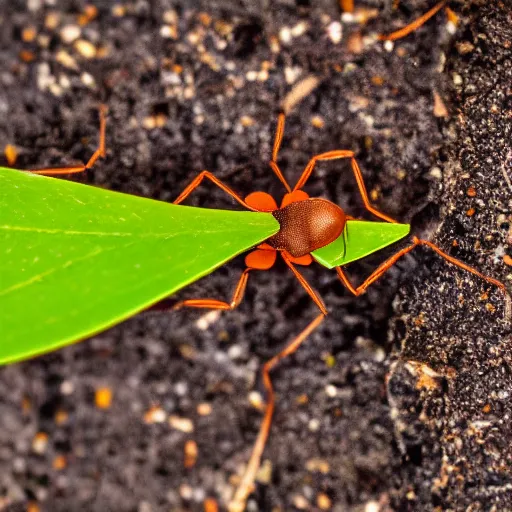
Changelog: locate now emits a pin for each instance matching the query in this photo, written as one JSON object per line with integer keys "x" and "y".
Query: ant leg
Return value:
{"x": 339, "y": 154}
{"x": 378, "y": 272}
{"x": 246, "y": 485}
{"x": 460, "y": 264}
{"x": 219, "y": 304}
{"x": 314, "y": 296}
{"x": 417, "y": 23}
{"x": 99, "y": 153}
{"x": 277, "y": 144}
{"x": 207, "y": 174}
{"x": 383, "y": 267}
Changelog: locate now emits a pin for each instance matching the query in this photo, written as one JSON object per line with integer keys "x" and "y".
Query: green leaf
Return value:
{"x": 75, "y": 259}
{"x": 359, "y": 239}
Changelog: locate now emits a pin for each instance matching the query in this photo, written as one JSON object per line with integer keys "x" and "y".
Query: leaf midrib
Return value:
{"x": 113, "y": 234}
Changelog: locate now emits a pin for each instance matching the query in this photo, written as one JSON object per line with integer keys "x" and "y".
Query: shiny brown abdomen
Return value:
{"x": 307, "y": 225}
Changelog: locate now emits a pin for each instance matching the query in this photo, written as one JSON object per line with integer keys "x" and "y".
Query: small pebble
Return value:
{"x": 372, "y": 506}
{"x": 155, "y": 414}
{"x": 169, "y": 32}
{"x": 291, "y": 74}
{"x": 235, "y": 352}
{"x": 191, "y": 452}
{"x": 285, "y": 35}
{"x": 251, "y": 75}
{"x": 335, "y": 31}
{"x": 318, "y": 465}
{"x": 52, "y": 20}
{"x": 70, "y": 33}
{"x": 314, "y": 425}
{"x": 299, "y": 29}
{"x": 67, "y": 388}
{"x": 451, "y": 28}
{"x": 331, "y": 391}
{"x": 440, "y": 109}
{"x": 436, "y": 173}
{"x": 85, "y": 48}
{"x": 88, "y": 80}
{"x": 186, "y": 492}
{"x": 323, "y": 501}
{"x": 64, "y": 82}
{"x": 457, "y": 79}
{"x": 274, "y": 44}
{"x": 152, "y": 122}
{"x": 464, "y": 47}
{"x": 256, "y": 400}
{"x": 204, "y": 409}
{"x": 208, "y": 319}
{"x": 182, "y": 424}
{"x": 263, "y": 75}
{"x": 66, "y": 60}
{"x": 181, "y": 388}
{"x": 318, "y": 122}
{"x": 40, "y": 443}
{"x": 170, "y": 17}
{"x": 300, "y": 502}
{"x": 264, "y": 474}
{"x": 118, "y": 11}
{"x": 388, "y": 46}
{"x": 247, "y": 121}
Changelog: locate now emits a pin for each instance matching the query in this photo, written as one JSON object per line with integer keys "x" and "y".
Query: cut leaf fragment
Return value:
{"x": 359, "y": 239}
{"x": 75, "y": 259}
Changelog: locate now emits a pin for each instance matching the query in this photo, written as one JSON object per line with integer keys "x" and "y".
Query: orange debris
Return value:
{"x": 210, "y": 505}
{"x": 59, "y": 462}
{"x": 11, "y": 154}
{"x": 347, "y": 5}
{"x": 103, "y": 398}
{"x": 190, "y": 453}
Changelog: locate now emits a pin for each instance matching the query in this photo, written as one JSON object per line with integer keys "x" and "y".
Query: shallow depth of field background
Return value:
{"x": 401, "y": 399}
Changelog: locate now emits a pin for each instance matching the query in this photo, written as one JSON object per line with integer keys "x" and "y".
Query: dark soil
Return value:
{"x": 401, "y": 400}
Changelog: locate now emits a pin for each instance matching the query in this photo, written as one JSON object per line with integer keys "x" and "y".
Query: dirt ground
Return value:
{"x": 401, "y": 399}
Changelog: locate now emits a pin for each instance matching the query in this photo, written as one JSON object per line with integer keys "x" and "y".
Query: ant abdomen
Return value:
{"x": 307, "y": 225}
